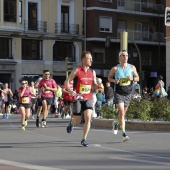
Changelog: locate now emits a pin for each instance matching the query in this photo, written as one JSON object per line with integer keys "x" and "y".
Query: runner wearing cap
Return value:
{"x": 122, "y": 75}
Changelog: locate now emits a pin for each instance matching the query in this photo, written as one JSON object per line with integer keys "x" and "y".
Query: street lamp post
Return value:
{"x": 107, "y": 44}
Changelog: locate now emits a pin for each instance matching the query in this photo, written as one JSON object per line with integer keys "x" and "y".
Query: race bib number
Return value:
{"x": 46, "y": 91}
{"x": 25, "y": 100}
{"x": 85, "y": 89}
{"x": 124, "y": 82}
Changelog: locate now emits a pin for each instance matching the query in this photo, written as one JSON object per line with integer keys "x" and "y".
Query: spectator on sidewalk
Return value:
{"x": 58, "y": 96}
{"x": 109, "y": 94}
{"x": 135, "y": 86}
{"x": 145, "y": 94}
{"x": 99, "y": 96}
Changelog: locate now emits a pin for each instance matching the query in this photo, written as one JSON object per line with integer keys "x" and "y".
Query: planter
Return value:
{"x": 134, "y": 125}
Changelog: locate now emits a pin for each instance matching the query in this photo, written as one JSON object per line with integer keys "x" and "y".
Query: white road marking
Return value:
{"x": 140, "y": 160}
{"x": 28, "y": 166}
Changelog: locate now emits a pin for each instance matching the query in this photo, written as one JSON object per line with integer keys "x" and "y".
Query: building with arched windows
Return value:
{"x": 37, "y": 35}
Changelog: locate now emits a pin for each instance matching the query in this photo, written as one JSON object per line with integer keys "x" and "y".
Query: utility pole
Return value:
{"x": 69, "y": 66}
{"x": 124, "y": 41}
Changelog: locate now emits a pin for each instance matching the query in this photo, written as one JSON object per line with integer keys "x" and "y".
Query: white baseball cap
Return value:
{"x": 99, "y": 80}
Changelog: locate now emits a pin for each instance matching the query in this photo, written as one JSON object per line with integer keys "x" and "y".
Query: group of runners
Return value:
{"x": 122, "y": 75}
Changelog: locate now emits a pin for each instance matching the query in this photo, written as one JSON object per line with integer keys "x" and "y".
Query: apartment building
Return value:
{"x": 167, "y": 51}
{"x": 36, "y": 35}
{"x": 144, "y": 22}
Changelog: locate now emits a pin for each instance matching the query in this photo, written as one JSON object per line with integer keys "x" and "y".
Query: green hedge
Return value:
{"x": 145, "y": 110}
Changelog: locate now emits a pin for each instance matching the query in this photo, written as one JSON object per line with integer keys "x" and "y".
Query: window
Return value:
{"x": 5, "y": 48}
{"x": 20, "y": 12}
{"x": 105, "y": 24}
{"x": 141, "y": 31}
{"x": 10, "y": 10}
{"x": 122, "y": 26}
{"x": 32, "y": 16}
{"x": 31, "y": 49}
{"x": 145, "y": 31}
{"x": 65, "y": 19}
{"x": 98, "y": 56}
{"x": 61, "y": 50}
{"x": 121, "y": 4}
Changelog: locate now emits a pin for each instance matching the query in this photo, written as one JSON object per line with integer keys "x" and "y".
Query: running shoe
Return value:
{"x": 62, "y": 115}
{"x": 23, "y": 127}
{"x": 125, "y": 137}
{"x": 69, "y": 127}
{"x": 115, "y": 127}
{"x": 84, "y": 143}
{"x": 37, "y": 122}
{"x": 25, "y": 123}
{"x": 3, "y": 116}
{"x": 6, "y": 116}
{"x": 67, "y": 116}
{"x": 44, "y": 124}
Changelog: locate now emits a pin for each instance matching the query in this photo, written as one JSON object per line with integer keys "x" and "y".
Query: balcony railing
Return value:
{"x": 144, "y": 35}
{"x": 140, "y": 6}
{"x": 67, "y": 28}
{"x": 34, "y": 25}
{"x": 6, "y": 56}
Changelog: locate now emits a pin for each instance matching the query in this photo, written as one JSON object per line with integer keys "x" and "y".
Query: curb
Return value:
{"x": 134, "y": 125}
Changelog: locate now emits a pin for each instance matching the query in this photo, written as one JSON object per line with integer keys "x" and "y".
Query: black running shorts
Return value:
{"x": 39, "y": 101}
{"x": 33, "y": 100}
{"x": 67, "y": 102}
{"x": 48, "y": 100}
{"x": 27, "y": 106}
{"x": 80, "y": 106}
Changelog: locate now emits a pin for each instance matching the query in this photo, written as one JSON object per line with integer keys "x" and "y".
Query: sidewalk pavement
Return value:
{"x": 132, "y": 124}
{"x": 8, "y": 167}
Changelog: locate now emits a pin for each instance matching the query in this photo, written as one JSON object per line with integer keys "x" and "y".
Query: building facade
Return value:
{"x": 144, "y": 22}
{"x": 38, "y": 35}
{"x": 167, "y": 51}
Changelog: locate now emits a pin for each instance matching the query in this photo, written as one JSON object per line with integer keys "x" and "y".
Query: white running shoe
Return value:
{"x": 67, "y": 116}
{"x": 44, "y": 124}
{"x": 125, "y": 138}
{"x": 115, "y": 127}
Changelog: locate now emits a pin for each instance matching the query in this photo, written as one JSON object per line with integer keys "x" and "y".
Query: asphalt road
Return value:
{"x": 52, "y": 148}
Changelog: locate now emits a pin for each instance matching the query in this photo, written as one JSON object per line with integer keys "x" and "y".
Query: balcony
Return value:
{"x": 66, "y": 28}
{"x": 6, "y": 56}
{"x": 140, "y": 7}
{"x": 34, "y": 25}
{"x": 144, "y": 36}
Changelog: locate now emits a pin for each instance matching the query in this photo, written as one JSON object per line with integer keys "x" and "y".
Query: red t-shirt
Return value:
{"x": 84, "y": 83}
{"x": 49, "y": 83}
{"x": 26, "y": 98}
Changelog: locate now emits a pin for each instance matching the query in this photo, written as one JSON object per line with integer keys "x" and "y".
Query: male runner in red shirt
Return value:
{"x": 48, "y": 86}
{"x": 86, "y": 78}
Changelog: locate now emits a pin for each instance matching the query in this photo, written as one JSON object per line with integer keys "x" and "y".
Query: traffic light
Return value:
{"x": 69, "y": 66}
{"x": 167, "y": 16}
{"x": 123, "y": 41}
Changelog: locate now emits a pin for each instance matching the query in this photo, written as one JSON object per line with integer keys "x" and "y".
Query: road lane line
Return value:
{"x": 142, "y": 161}
{"x": 28, "y": 166}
